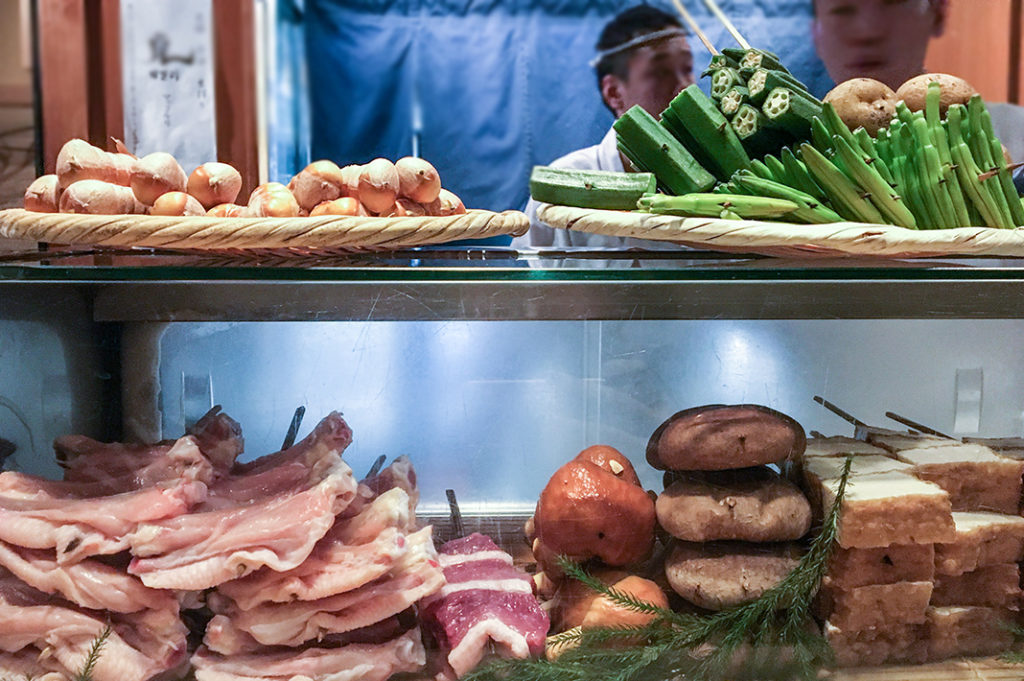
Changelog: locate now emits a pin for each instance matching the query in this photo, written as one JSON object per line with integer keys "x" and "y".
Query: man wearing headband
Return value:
{"x": 887, "y": 40}
{"x": 642, "y": 58}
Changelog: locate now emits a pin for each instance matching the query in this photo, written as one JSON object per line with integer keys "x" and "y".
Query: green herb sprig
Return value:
{"x": 85, "y": 673}
{"x": 675, "y": 644}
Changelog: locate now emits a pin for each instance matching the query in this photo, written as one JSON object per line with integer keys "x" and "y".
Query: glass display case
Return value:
{"x": 489, "y": 369}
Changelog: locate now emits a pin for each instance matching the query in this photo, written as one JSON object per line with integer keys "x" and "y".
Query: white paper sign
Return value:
{"x": 167, "y": 58}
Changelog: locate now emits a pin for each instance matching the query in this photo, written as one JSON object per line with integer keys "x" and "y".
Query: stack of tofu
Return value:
{"x": 929, "y": 546}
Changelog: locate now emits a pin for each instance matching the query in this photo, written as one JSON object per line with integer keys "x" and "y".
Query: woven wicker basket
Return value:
{"x": 329, "y": 232}
{"x": 775, "y": 238}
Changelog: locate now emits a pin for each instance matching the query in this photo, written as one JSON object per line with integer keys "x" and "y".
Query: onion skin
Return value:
{"x": 95, "y": 197}
{"x": 227, "y": 210}
{"x": 318, "y": 182}
{"x": 273, "y": 200}
{"x": 177, "y": 204}
{"x": 214, "y": 183}
{"x": 346, "y": 205}
{"x": 79, "y": 160}
{"x": 350, "y": 180}
{"x": 157, "y": 174}
{"x": 378, "y": 185}
{"x": 41, "y": 195}
{"x": 418, "y": 180}
{"x": 446, "y": 204}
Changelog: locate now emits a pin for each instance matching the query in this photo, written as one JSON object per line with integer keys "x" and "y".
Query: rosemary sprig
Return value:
{"x": 675, "y": 642}
{"x": 85, "y": 674}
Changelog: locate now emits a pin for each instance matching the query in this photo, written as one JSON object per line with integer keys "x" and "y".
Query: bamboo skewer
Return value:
{"x": 917, "y": 426}
{"x": 717, "y": 11}
{"x": 845, "y": 415}
{"x": 692, "y": 23}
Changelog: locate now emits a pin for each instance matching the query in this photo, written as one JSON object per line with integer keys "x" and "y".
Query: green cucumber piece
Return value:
{"x": 599, "y": 189}
{"x": 653, "y": 148}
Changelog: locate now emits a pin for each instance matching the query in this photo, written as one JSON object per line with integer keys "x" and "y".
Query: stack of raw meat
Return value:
{"x": 64, "y": 550}
{"x": 338, "y": 601}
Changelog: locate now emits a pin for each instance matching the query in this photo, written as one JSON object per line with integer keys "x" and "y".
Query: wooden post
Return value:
{"x": 235, "y": 83}
{"x": 63, "y": 75}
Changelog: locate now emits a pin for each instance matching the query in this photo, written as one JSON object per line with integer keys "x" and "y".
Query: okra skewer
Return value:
{"x": 791, "y": 111}
{"x": 941, "y": 143}
{"x": 967, "y": 169}
{"x": 981, "y": 150}
{"x": 882, "y": 194}
{"x": 916, "y": 174}
{"x": 847, "y": 199}
{"x": 733, "y": 99}
{"x": 808, "y": 210}
{"x": 712, "y": 205}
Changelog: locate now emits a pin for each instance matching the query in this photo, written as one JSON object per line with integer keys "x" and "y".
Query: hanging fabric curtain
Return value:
{"x": 486, "y": 89}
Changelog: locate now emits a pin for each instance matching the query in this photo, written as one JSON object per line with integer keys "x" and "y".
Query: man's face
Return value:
{"x": 657, "y": 72}
{"x": 881, "y": 39}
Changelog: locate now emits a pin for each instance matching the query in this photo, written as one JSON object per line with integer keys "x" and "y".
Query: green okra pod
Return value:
{"x": 883, "y": 196}
{"x": 846, "y": 198}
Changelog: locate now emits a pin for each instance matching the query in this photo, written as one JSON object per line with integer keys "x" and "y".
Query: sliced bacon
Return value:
{"x": 416, "y": 576}
{"x": 79, "y": 528}
{"x": 487, "y": 604}
{"x": 354, "y": 662}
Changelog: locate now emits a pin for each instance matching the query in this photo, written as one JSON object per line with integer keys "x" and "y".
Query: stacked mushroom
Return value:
{"x": 734, "y": 518}
{"x": 930, "y": 541}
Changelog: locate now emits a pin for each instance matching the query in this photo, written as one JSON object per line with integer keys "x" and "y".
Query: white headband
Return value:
{"x": 636, "y": 42}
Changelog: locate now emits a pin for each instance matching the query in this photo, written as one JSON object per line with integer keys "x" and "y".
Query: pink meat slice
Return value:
{"x": 89, "y": 583}
{"x": 220, "y": 438}
{"x": 79, "y": 528}
{"x": 87, "y": 460}
{"x": 333, "y": 426}
{"x": 139, "y": 647}
{"x": 223, "y": 638}
{"x": 486, "y": 605}
{"x": 416, "y": 576}
{"x": 354, "y": 662}
{"x": 201, "y": 550}
{"x": 399, "y": 475}
{"x": 182, "y": 460}
{"x": 331, "y": 568}
{"x": 28, "y": 663}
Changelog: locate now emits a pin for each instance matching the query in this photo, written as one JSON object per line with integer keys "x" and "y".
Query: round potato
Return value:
{"x": 954, "y": 91}
{"x": 752, "y": 504}
{"x": 720, "y": 575}
{"x": 719, "y": 437}
{"x": 863, "y": 103}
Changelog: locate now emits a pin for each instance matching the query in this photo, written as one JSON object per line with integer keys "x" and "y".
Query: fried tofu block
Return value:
{"x": 816, "y": 469}
{"x": 880, "y": 645}
{"x": 875, "y": 605}
{"x": 982, "y": 539}
{"x": 897, "y": 442}
{"x": 839, "y": 446}
{"x": 849, "y": 568}
{"x": 955, "y": 631}
{"x": 976, "y": 479}
{"x": 998, "y": 443}
{"x": 887, "y": 508}
{"x": 994, "y": 586}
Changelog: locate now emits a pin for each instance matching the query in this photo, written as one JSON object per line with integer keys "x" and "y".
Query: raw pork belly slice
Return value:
{"x": 182, "y": 460}
{"x": 416, "y": 576}
{"x": 220, "y": 438}
{"x": 224, "y": 638}
{"x": 79, "y": 528}
{"x": 354, "y": 662}
{"x": 354, "y": 552}
{"x": 486, "y": 603}
{"x": 331, "y": 569}
{"x": 399, "y": 475}
{"x": 89, "y": 583}
{"x": 140, "y": 645}
{"x": 86, "y": 460}
{"x": 332, "y": 427}
{"x": 26, "y": 664}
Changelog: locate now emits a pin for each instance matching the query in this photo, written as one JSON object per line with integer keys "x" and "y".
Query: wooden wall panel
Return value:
{"x": 976, "y": 46}
{"x": 63, "y": 74}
